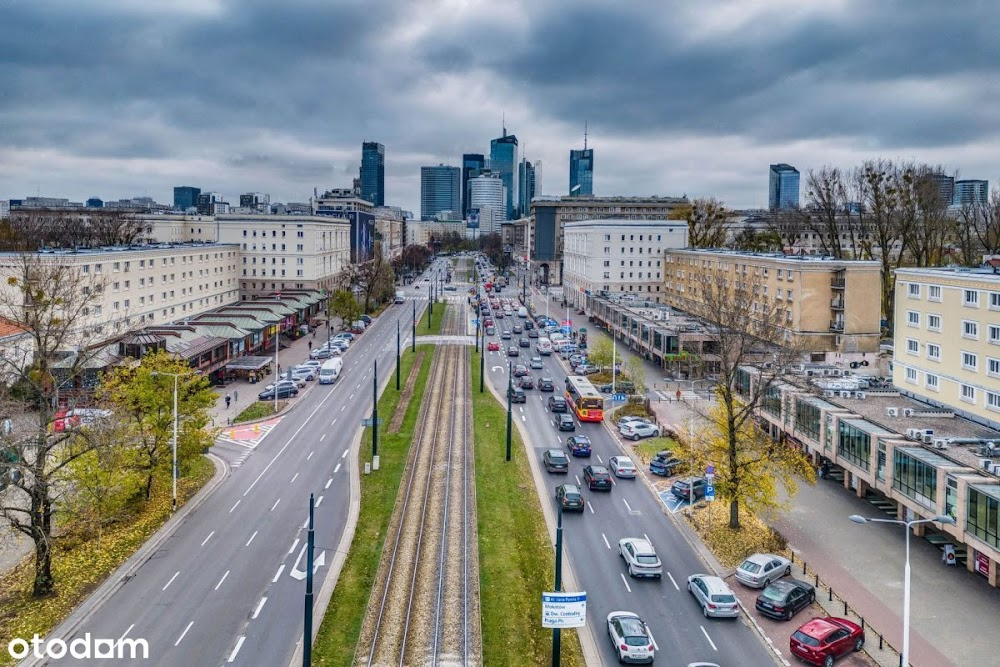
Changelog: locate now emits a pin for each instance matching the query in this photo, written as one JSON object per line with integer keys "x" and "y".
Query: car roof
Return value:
{"x": 570, "y": 488}
{"x": 579, "y": 438}
{"x": 632, "y": 626}
{"x": 622, "y": 460}
{"x": 599, "y": 469}
{"x": 564, "y": 417}
{"x": 819, "y": 627}
{"x": 641, "y": 544}
{"x": 557, "y": 398}
{"x": 760, "y": 559}
{"x": 555, "y": 452}
{"x": 714, "y": 584}
{"x": 785, "y": 585}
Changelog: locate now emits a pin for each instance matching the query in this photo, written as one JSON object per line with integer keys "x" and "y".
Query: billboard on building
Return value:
{"x": 472, "y": 219}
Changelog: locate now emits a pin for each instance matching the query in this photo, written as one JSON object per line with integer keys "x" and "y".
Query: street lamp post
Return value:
{"x": 413, "y": 339}
{"x": 482, "y": 362}
{"x": 173, "y": 445}
{"x": 510, "y": 391}
{"x": 943, "y": 519}
{"x": 397, "y": 355}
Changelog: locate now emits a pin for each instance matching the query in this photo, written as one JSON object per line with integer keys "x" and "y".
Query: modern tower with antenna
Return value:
{"x": 581, "y": 169}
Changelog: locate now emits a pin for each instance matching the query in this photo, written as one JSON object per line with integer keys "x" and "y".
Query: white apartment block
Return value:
{"x": 618, "y": 256}
{"x": 4, "y": 208}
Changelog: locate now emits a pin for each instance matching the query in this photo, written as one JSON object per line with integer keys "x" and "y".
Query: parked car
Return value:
{"x": 664, "y": 463}
{"x": 569, "y": 496}
{"x": 579, "y": 445}
{"x": 284, "y": 382}
{"x": 320, "y": 353}
{"x": 519, "y": 370}
{"x": 714, "y": 596}
{"x": 640, "y": 557}
{"x": 283, "y": 392}
{"x": 557, "y": 404}
{"x": 587, "y": 369}
{"x": 555, "y": 461}
{"x": 630, "y": 638}
{"x": 526, "y": 382}
{"x": 546, "y": 384}
{"x": 622, "y": 386}
{"x": 564, "y": 422}
{"x": 367, "y": 319}
{"x": 312, "y": 363}
{"x": 822, "y": 640}
{"x": 307, "y": 373}
{"x": 512, "y": 351}
{"x": 629, "y": 419}
{"x": 689, "y": 487}
{"x": 345, "y": 334}
{"x": 622, "y": 467}
{"x": 597, "y": 477}
{"x": 493, "y": 346}
{"x": 784, "y": 598}
{"x": 536, "y": 362}
{"x": 758, "y": 570}
{"x": 637, "y": 430}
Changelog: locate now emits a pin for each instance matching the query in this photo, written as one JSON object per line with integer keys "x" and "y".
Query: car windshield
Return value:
{"x": 636, "y": 640}
{"x": 750, "y": 566}
{"x": 557, "y": 458}
{"x": 805, "y": 639}
{"x": 723, "y": 598}
{"x": 572, "y": 495}
{"x": 646, "y": 559}
{"x": 772, "y": 593}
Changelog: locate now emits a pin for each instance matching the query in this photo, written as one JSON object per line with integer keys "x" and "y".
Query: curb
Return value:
{"x": 127, "y": 570}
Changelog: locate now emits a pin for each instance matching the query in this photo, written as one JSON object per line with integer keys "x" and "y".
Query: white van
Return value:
{"x": 522, "y": 312}
{"x": 330, "y": 370}
{"x": 400, "y": 297}
{"x": 544, "y": 346}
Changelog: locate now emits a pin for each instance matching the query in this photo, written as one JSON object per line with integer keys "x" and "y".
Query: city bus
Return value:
{"x": 586, "y": 401}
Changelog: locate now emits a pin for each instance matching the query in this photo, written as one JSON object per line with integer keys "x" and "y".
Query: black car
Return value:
{"x": 532, "y": 333}
{"x": 555, "y": 461}
{"x": 565, "y": 422}
{"x": 517, "y": 395}
{"x": 526, "y": 382}
{"x": 664, "y": 463}
{"x": 784, "y": 598}
{"x": 519, "y": 370}
{"x": 284, "y": 391}
{"x": 367, "y": 319}
{"x": 557, "y": 404}
{"x": 517, "y": 329}
{"x": 524, "y": 342}
{"x": 622, "y": 386}
{"x": 597, "y": 477}
{"x": 688, "y": 488}
{"x": 529, "y": 326}
{"x": 546, "y": 384}
{"x": 569, "y": 496}
{"x": 512, "y": 351}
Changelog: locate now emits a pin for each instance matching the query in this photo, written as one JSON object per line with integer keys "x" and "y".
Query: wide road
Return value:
{"x": 228, "y": 586}
{"x": 682, "y": 634}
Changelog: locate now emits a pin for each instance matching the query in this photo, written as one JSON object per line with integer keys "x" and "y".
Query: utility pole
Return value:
{"x": 556, "y": 647}
{"x": 413, "y": 340}
{"x": 397, "y": 355}
{"x": 307, "y": 626}
{"x": 375, "y": 411}
{"x": 510, "y": 390}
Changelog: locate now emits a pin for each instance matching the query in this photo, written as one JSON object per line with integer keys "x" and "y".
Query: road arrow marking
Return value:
{"x": 320, "y": 561}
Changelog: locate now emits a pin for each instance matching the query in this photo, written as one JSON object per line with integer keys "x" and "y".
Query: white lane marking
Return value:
{"x": 239, "y": 643}
{"x": 251, "y": 538}
{"x": 344, "y": 455}
{"x": 606, "y": 543}
{"x": 276, "y": 576}
{"x": 294, "y": 477}
{"x": 625, "y": 581}
{"x": 294, "y": 544}
{"x": 590, "y": 507}
{"x": 125, "y": 634}
{"x": 234, "y": 506}
{"x": 171, "y": 580}
{"x": 183, "y": 633}
{"x": 647, "y": 538}
{"x": 321, "y": 437}
{"x": 358, "y": 387}
{"x": 351, "y": 398}
{"x": 333, "y": 422}
{"x": 260, "y": 605}
{"x": 275, "y": 504}
{"x": 342, "y": 408}
{"x": 704, "y": 632}
{"x": 523, "y": 418}
{"x": 577, "y": 480}
{"x": 330, "y": 481}
{"x": 207, "y": 538}
{"x": 335, "y": 471}
{"x": 310, "y": 455}
{"x": 520, "y": 408}
{"x": 221, "y": 580}
{"x": 629, "y": 507}
{"x": 656, "y": 647}
{"x": 318, "y": 501}
{"x": 305, "y": 524}
{"x": 676, "y": 587}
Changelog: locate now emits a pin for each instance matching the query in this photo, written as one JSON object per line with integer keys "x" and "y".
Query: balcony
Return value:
{"x": 837, "y": 304}
{"x": 838, "y": 283}
{"x": 837, "y": 325}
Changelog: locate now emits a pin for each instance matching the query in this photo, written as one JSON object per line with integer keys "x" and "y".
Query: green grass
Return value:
{"x": 436, "y": 321}
{"x": 258, "y": 410}
{"x": 516, "y": 558}
{"x": 341, "y": 627}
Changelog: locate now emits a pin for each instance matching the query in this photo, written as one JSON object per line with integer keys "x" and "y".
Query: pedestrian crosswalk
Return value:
{"x": 247, "y": 436}
{"x": 672, "y": 395}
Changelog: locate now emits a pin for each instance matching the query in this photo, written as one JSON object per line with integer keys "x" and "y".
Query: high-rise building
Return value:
{"x": 488, "y": 197}
{"x": 95, "y": 202}
{"x": 945, "y": 187}
{"x": 440, "y": 190}
{"x": 971, "y": 192}
{"x": 783, "y": 190}
{"x": 373, "y": 172}
{"x": 503, "y": 158}
{"x": 473, "y": 164}
{"x": 581, "y": 172}
{"x": 257, "y": 201}
{"x": 212, "y": 203}
{"x": 529, "y": 183}
{"x": 186, "y": 197}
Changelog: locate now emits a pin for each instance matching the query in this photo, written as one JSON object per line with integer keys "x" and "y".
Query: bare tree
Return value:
{"x": 826, "y": 209}
{"x": 987, "y": 224}
{"x": 30, "y": 229}
{"x": 373, "y": 279}
{"x": 709, "y": 224}
{"x": 934, "y": 228}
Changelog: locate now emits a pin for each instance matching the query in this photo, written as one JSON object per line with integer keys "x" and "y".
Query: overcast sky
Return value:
{"x": 121, "y": 98}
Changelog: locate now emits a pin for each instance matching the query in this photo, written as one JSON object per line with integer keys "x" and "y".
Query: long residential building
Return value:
{"x": 618, "y": 256}
{"x": 830, "y": 306}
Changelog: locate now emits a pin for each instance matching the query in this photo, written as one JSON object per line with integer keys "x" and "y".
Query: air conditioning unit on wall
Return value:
{"x": 892, "y": 412}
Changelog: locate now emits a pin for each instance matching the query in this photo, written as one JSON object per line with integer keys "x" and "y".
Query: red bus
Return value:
{"x": 586, "y": 401}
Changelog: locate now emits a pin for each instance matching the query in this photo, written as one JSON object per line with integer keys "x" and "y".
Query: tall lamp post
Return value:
{"x": 173, "y": 444}
{"x": 510, "y": 391}
{"x": 413, "y": 339}
{"x": 397, "y": 355}
{"x": 941, "y": 518}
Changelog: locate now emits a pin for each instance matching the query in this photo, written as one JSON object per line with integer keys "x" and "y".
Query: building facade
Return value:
{"x": 488, "y": 196}
{"x": 440, "y": 190}
{"x": 581, "y": 172}
{"x": 971, "y": 192}
{"x": 618, "y": 256}
{"x": 830, "y": 306}
{"x": 258, "y": 202}
{"x": 473, "y": 164}
{"x": 185, "y": 197}
{"x": 529, "y": 182}
{"x": 503, "y": 160}
{"x": 783, "y": 187}
{"x": 373, "y": 172}
{"x": 342, "y": 203}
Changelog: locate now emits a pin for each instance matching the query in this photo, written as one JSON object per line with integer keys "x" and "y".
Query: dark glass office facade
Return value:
{"x": 783, "y": 187}
{"x": 581, "y": 172}
{"x": 503, "y": 158}
{"x": 914, "y": 477}
{"x": 807, "y": 419}
{"x": 186, "y": 197}
{"x": 373, "y": 172}
{"x": 983, "y": 515}
{"x": 473, "y": 164}
{"x": 854, "y": 444}
{"x": 440, "y": 190}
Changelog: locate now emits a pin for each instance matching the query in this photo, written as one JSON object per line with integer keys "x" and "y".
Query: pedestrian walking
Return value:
{"x": 236, "y": 395}
{"x": 229, "y": 399}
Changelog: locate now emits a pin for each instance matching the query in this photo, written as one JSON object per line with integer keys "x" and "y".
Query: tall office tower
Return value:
{"x": 489, "y": 197}
{"x": 258, "y": 201}
{"x": 503, "y": 158}
{"x": 186, "y": 197}
{"x": 581, "y": 172}
{"x": 440, "y": 190}
{"x": 473, "y": 164}
{"x": 971, "y": 192}
{"x": 528, "y": 185}
{"x": 945, "y": 187}
{"x": 783, "y": 191}
{"x": 373, "y": 172}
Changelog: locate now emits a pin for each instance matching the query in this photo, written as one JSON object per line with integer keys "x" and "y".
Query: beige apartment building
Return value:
{"x": 830, "y": 306}
{"x": 947, "y": 340}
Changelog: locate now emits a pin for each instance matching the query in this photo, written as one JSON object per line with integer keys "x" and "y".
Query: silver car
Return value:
{"x": 715, "y": 597}
{"x": 636, "y": 430}
{"x": 536, "y": 362}
{"x": 631, "y": 639}
{"x": 758, "y": 570}
{"x": 622, "y": 467}
{"x": 640, "y": 556}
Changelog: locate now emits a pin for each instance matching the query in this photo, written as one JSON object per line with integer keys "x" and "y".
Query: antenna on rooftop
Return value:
{"x": 584, "y": 135}
{"x": 503, "y": 122}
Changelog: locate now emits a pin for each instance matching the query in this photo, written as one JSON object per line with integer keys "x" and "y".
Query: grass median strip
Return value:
{"x": 341, "y": 626}
{"x": 516, "y": 558}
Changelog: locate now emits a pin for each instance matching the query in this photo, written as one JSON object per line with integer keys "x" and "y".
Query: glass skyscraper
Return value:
{"x": 581, "y": 172}
{"x": 971, "y": 192}
{"x": 186, "y": 197}
{"x": 473, "y": 164}
{"x": 373, "y": 172}
{"x": 528, "y": 185}
{"x": 440, "y": 190}
{"x": 783, "y": 190}
{"x": 503, "y": 158}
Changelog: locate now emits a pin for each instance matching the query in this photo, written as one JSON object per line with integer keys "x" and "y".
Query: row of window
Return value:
{"x": 126, "y": 265}
{"x": 967, "y": 392}
{"x": 970, "y": 297}
{"x": 970, "y": 360}
{"x": 263, "y": 272}
{"x": 631, "y": 237}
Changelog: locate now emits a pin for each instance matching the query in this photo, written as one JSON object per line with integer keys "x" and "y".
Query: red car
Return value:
{"x": 823, "y": 640}
{"x": 493, "y": 346}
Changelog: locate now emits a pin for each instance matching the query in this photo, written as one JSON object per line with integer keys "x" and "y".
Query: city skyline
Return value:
{"x": 846, "y": 88}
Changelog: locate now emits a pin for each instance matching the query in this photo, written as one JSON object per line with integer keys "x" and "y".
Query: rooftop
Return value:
{"x": 979, "y": 272}
{"x": 130, "y": 249}
{"x": 621, "y": 222}
{"x": 776, "y": 256}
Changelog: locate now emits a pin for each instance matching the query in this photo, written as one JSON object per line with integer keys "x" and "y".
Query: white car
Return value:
{"x": 714, "y": 596}
{"x": 311, "y": 363}
{"x": 536, "y": 362}
{"x": 758, "y": 570}
{"x": 640, "y": 556}
{"x": 295, "y": 384}
{"x": 622, "y": 467}
{"x": 628, "y": 419}
{"x": 307, "y": 373}
{"x": 630, "y": 638}
{"x": 636, "y": 430}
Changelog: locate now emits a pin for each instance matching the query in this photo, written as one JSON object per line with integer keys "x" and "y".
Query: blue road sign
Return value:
{"x": 619, "y": 397}
{"x": 710, "y": 469}
{"x": 710, "y": 492}
{"x": 475, "y": 322}
{"x": 567, "y": 330}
